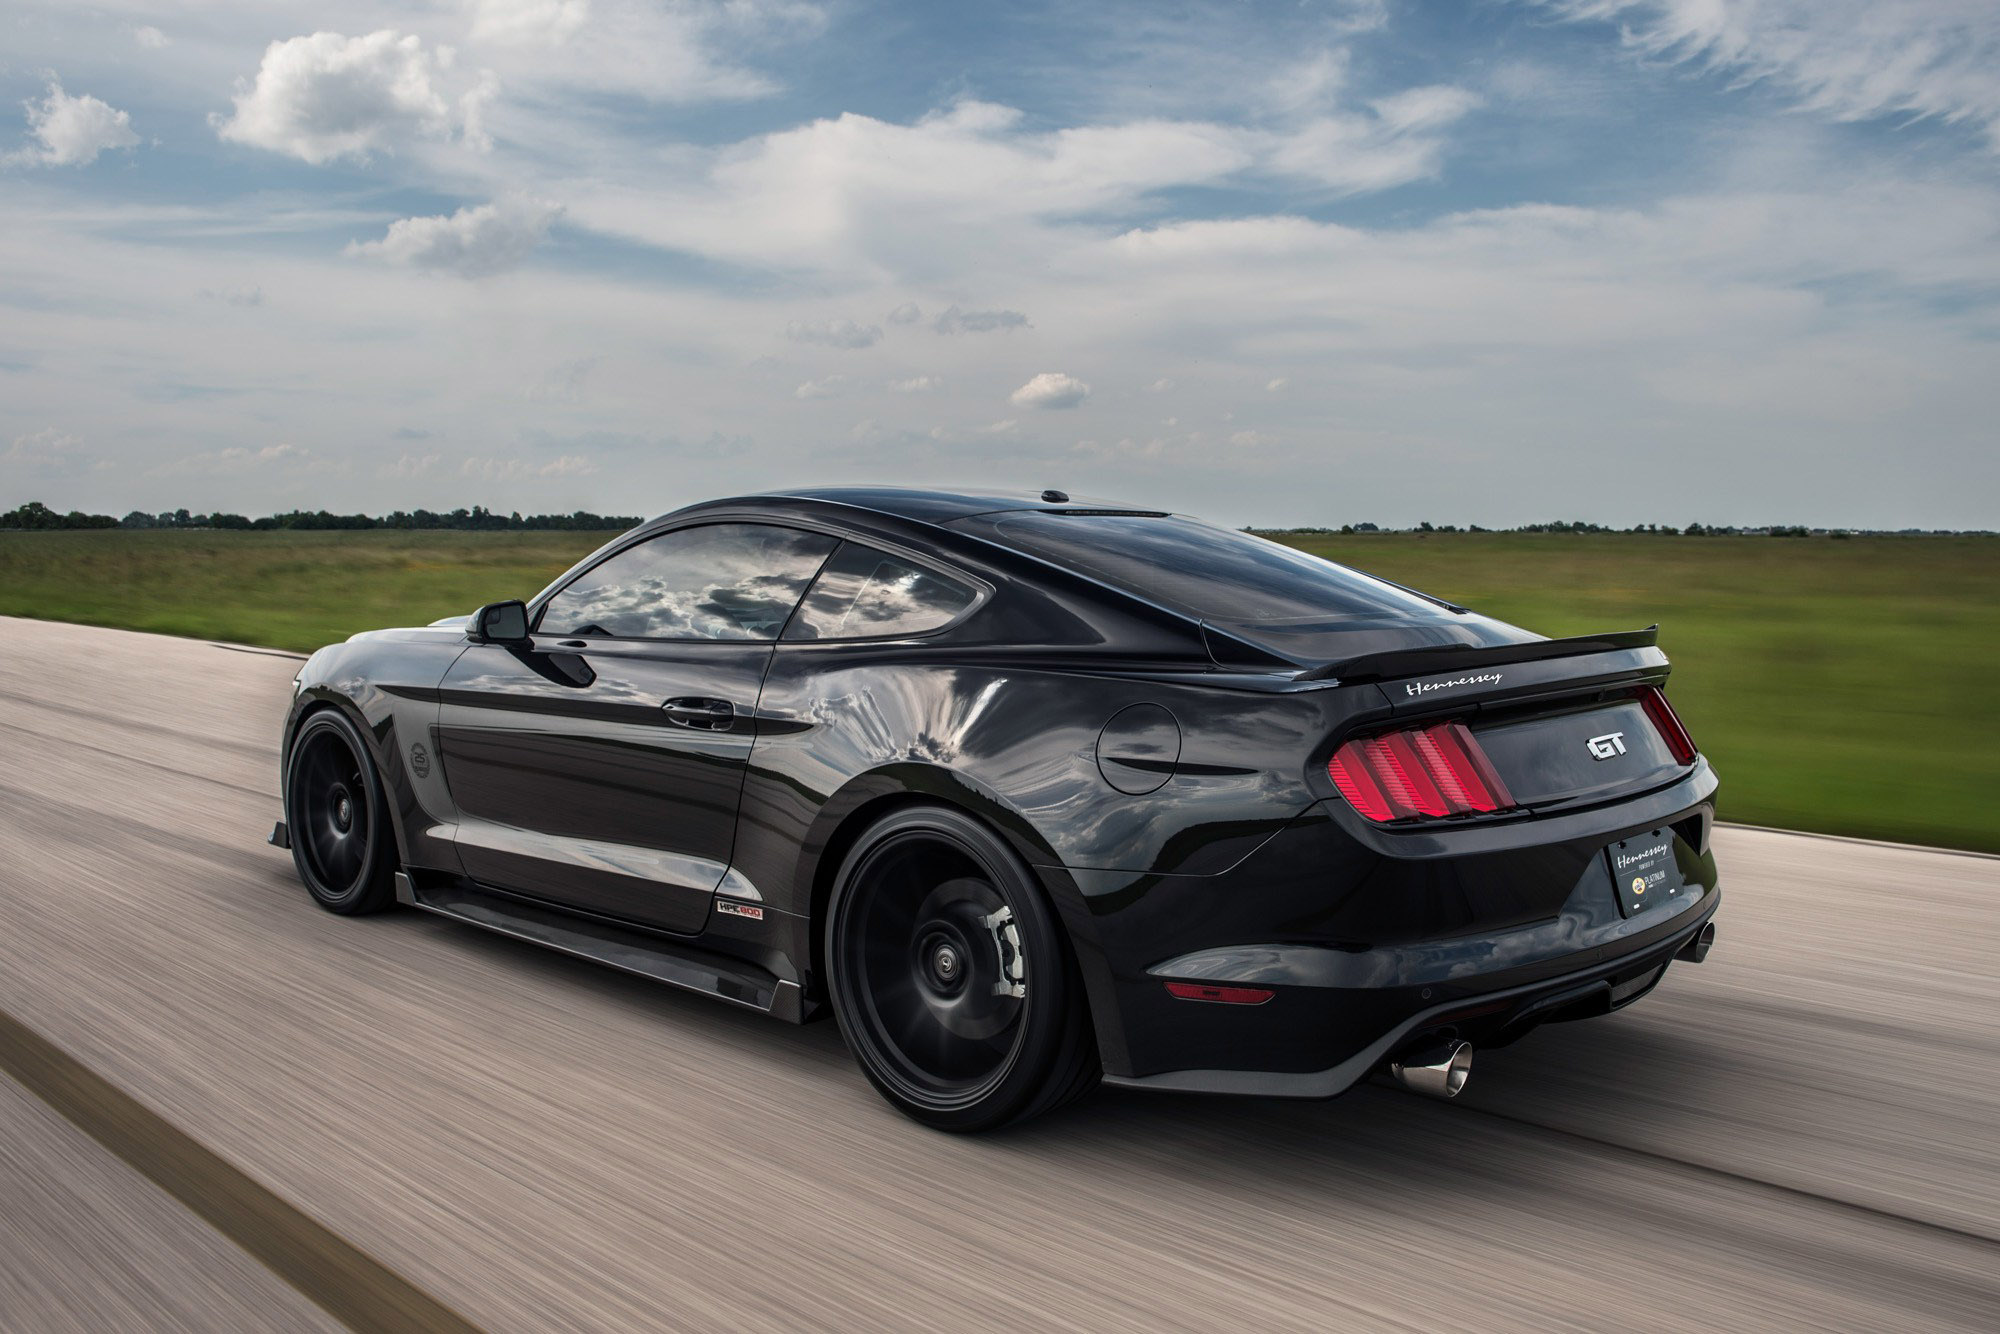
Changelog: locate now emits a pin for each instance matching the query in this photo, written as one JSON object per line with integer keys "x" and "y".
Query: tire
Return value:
{"x": 342, "y": 843}
{"x": 951, "y": 977}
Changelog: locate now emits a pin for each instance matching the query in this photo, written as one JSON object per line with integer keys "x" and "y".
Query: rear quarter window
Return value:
{"x": 868, "y": 594}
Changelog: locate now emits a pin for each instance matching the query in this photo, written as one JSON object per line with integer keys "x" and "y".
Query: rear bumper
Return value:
{"x": 1369, "y": 938}
{"x": 1492, "y": 1018}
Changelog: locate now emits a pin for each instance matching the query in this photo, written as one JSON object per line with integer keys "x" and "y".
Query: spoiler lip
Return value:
{"x": 1396, "y": 663}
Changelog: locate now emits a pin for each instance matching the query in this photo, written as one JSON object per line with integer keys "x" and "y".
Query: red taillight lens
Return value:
{"x": 1668, "y": 724}
{"x": 1202, "y": 991}
{"x": 1436, "y": 770}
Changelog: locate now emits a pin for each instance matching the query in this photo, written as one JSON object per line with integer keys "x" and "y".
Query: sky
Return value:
{"x": 1490, "y": 261}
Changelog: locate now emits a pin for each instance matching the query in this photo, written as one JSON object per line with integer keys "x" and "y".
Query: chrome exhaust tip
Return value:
{"x": 1698, "y": 945}
{"x": 1439, "y": 1069}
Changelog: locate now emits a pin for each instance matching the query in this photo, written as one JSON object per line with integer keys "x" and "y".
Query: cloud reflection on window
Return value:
{"x": 865, "y": 594}
{"x": 718, "y": 581}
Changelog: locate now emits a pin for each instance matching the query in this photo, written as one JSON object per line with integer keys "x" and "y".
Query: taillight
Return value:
{"x": 1435, "y": 770}
{"x": 1668, "y": 724}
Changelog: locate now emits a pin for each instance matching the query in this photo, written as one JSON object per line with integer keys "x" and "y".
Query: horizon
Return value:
{"x": 186, "y": 518}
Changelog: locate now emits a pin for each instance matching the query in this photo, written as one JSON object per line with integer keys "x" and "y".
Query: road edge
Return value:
{"x": 1864, "y": 842}
{"x": 351, "y": 1285}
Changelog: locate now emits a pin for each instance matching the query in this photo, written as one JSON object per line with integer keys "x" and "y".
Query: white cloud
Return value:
{"x": 473, "y": 242}
{"x": 151, "y": 38}
{"x": 834, "y": 333}
{"x": 236, "y": 459}
{"x": 1427, "y": 108}
{"x": 46, "y": 453}
{"x": 1050, "y": 389}
{"x": 71, "y": 131}
{"x": 916, "y": 384}
{"x": 955, "y": 320}
{"x": 473, "y": 108}
{"x": 494, "y": 469}
{"x": 326, "y": 96}
{"x": 831, "y": 386}
{"x": 1308, "y": 85}
{"x": 1395, "y": 143}
{"x": 852, "y": 195}
{"x": 907, "y": 313}
{"x": 1160, "y": 386}
{"x": 527, "y": 22}
{"x": 409, "y": 466}
{"x": 1274, "y": 386}
{"x": 663, "y": 53}
{"x": 1127, "y": 449}
{"x": 1852, "y": 59}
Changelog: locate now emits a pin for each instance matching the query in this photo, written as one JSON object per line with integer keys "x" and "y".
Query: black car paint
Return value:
{"x": 1244, "y": 868}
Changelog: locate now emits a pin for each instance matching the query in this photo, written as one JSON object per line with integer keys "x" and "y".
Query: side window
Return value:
{"x": 863, "y": 592}
{"x": 718, "y": 581}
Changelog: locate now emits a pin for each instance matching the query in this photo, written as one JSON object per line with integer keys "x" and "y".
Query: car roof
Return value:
{"x": 925, "y": 505}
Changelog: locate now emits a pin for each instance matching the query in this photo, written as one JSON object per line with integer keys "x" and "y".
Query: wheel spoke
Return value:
{"x": 924, "y": 940}
{"x": 330, "y": 787}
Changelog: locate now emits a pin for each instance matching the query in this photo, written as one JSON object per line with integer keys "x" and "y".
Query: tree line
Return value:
{"x": 1661, "y": 529}
{"x": 37, "y": 517}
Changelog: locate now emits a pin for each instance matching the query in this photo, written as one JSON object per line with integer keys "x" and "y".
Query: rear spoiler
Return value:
{"x": 1465, "y": 657}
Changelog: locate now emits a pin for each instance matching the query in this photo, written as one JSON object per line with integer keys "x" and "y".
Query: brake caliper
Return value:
{"x": 1007, "y": 941}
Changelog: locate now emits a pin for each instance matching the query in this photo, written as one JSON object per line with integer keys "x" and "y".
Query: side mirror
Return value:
{"x": 501, "y": 623}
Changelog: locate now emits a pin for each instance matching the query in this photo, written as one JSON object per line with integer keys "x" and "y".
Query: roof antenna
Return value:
{"x": 1054, "y": 497}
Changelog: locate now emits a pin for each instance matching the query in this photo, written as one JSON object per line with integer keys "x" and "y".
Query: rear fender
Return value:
{"x": 869, "y": 796}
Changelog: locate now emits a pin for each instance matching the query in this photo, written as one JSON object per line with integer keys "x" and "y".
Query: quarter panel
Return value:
{"x": 844, "y": 725}
{"x": 1023, "y": 740}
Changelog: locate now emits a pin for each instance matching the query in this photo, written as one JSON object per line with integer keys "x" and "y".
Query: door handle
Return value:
{"x": 710, "y": 715}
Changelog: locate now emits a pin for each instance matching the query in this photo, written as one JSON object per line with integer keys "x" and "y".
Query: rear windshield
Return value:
{"x": 1198, "y": 569}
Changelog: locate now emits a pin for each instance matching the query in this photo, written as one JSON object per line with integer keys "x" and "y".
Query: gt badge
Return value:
{"x": 1604, "y": 747}
{"x": 735, "y": 909}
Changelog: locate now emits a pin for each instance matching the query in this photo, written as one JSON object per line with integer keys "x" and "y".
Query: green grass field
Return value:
{"x": 1839, "y": 686}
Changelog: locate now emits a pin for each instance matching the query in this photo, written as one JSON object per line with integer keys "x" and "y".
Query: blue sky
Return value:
{"x": 1490, "y": 262}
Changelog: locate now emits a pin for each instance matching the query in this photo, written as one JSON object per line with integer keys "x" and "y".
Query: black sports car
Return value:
{"x": 1027, "y": 792}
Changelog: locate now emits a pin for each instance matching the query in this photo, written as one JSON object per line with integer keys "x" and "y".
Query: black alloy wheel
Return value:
{"x": 341, "y": 840}
{"x": 951, "y": 977}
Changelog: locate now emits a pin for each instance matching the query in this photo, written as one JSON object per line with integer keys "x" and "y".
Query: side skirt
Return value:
{"x": 684, "y": 966}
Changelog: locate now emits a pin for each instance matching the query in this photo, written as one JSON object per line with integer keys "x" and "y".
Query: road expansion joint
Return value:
{"x": 1857, "y": 1207}
{"x": 351, "y": 1285}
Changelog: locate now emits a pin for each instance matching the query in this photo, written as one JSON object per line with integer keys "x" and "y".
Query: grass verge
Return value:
{"x": 1839, "y": 686}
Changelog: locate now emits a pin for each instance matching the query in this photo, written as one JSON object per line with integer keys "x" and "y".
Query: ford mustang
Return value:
{"x": 1028, "y": 793}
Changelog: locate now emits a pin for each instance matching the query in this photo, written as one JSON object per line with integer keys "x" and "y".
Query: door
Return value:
{"x": 600, "y": 764}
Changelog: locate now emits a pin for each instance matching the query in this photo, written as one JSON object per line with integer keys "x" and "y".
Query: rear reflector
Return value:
{"x": 1201, "y": 991}
{"x": 1435, "y": 770}
{"x": 1668, "y": 724}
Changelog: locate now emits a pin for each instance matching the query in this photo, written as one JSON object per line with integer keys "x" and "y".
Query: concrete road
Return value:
{"x": 1802, "y": 1132}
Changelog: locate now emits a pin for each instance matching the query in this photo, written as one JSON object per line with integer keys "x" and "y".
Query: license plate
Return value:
{"x": 1645, "y": 872}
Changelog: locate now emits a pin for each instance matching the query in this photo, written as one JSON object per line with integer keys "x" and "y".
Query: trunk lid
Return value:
{"x": 1578, "y": 754}
{"x": 1561, "y": 722}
